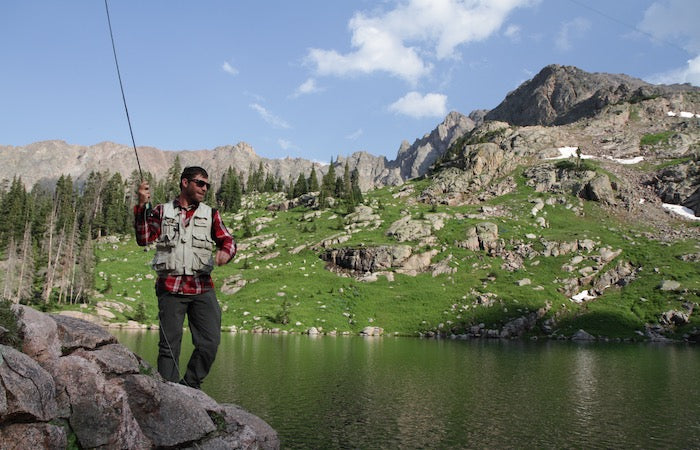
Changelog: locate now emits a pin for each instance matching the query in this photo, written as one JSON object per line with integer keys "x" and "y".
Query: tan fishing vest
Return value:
{"x": 184, "y": 250}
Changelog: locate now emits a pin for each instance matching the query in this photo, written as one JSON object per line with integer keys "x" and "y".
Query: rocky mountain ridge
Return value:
{"x": 568, "y": 104}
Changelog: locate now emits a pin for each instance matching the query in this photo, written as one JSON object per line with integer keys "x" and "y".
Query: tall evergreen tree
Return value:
{"x": 16, "y": 211}
{"x": 64, "y": 198}
{"x": 327, "y": 185}
{"x": 313, "y": 180}
{"x": 355, "y": 186}
{"x": 300, "y": 187}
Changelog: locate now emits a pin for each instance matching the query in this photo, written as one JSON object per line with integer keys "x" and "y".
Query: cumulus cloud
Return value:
{"x": 268, "y": 117}
{"x": 400, "y": 40}
{"x": 675, "y": 21}
{"x": 688, "y": 74}
{"x": 574, "y": 29}
{"x": 228, "y": 68}
{"x": 307, "y": 87}
{"x": 418, "y": 106}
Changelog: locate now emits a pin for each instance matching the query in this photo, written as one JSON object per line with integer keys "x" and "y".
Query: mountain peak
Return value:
{"x": 563, "y": 94}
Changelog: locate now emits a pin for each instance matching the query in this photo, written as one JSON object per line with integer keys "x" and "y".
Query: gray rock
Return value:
{"x": 34, "y": 436}
{"x": 112, "y": 359}
{"x": 407, "y": 229}
{"x": 76, "y": 333}
{"x": 599, "y": 189}
{"x": 582, "y": 335}
{"x": 40, "y": 334}
{"x": 166, "y": 417}
{"x": 674, "y": 317}
{"x": 372, "y": 331}
{"x": 98, "y": 394}
{"x": 99, "y": 408}
{"x": 670, "y": 285}
{"x": 28, "y": 391}
{"x": 368, "y": 259}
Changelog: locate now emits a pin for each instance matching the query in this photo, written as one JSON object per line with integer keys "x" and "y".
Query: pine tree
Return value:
{"x": 114, "y": 208}
{"x": 17, "y": 213}
{"x": 172, "y": 182}
{"x": 327, "y": 185}
{"x": 64, "y": 198}
{"x": 300, "y": 187}
{"x": 347, "y": 186}
{"x": 229, "y": 194}
{"x": 313, "y": 180}
{"x": 355, "y": 186}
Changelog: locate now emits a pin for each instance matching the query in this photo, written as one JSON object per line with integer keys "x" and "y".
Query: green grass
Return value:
{"x": 656, "y": 138}
{"x": 298, "y": 287}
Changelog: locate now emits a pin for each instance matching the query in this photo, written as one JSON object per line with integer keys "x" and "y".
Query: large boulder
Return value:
{"x": 75, "y": 379}
{"x": 368, "y": 259}
{"x": 600, "y": 190}
{"x": 408, "y": 229}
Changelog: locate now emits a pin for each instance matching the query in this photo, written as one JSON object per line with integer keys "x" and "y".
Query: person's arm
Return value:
{"x": 225, "y": 244}
{"x": 146, "y": 222}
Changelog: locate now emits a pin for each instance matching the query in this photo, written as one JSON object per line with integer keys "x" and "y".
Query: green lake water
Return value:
{"x": 353, "y": 392}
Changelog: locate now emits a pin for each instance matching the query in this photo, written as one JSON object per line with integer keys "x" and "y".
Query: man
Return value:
{"x": 185, "y": 231}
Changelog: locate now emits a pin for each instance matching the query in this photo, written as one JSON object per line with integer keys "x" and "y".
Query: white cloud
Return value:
{"x": 355, "y": 134}
{"x": 397, "y": 41}
{"x": 228, "y": 68}
{"x": 416, "y": 105}
{"x": 673, "y": 21}
{"x": 268, "y": 117}
{"x": 307, "y": 87}
{"x": 513, "y": 32}
{"x": 574, "y": 29}
{"x": 689, "y": 74}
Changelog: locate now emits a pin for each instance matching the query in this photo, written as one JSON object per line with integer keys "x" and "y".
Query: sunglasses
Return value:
{"x": 200, "y": 183}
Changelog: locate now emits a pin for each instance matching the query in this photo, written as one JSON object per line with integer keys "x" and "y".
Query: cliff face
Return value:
{"x": 73, "y": 379}
{"x": 559, "y": 95}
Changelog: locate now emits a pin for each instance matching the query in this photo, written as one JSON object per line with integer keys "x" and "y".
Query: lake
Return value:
{"x": 354, "y": 392}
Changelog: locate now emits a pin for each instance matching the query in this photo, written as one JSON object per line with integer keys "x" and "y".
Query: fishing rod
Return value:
{"x": 121, "y": 87}
{"x": 133, "y": 143}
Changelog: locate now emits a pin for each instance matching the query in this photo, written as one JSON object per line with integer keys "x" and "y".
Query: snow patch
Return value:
{"x": 635, "y": 160}
{"x": 683, "y": 114}
{"x": 568, "y": 152}
{"x": 681, "y": 210}
{"x": 582, "y": 297}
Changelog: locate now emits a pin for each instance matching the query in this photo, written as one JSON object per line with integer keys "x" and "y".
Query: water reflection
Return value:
{"x": 349, "y": 392}
{"x": 583, "y": 389}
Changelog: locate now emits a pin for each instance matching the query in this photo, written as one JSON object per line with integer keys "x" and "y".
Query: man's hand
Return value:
{"x": 222, "y": 258}
{"x": 144, "y": 193}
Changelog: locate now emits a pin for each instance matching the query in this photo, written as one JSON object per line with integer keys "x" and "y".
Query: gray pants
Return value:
{"x": 204, "y": 318}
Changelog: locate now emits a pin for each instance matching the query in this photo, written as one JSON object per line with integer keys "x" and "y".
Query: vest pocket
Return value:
{"x": 163, "y": 262}
{"x": 202, "y": 262}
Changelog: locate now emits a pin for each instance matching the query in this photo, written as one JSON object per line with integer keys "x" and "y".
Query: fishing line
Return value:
{"x": 133, "y": 143}
{"x": 121, "y": 87}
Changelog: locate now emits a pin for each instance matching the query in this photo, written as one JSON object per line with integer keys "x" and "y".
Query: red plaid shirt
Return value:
{"x": 148, "y": 230}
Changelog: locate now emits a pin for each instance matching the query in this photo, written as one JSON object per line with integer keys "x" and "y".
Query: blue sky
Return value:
{"x": 312, "y": 78}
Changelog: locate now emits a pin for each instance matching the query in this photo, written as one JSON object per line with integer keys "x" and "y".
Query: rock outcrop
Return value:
{"x": 73, "y": 382}
{"x": 415, "y": 160}
{"x": 563, "y": 94}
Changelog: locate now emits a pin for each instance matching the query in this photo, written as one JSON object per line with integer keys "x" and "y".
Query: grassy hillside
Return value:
{"x": 287, "y": 287}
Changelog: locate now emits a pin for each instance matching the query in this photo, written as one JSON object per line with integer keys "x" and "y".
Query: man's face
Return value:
{"x": 195, "y": 188}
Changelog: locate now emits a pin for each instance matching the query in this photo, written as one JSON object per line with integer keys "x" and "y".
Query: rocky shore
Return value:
{"x": 73, "y": 385}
